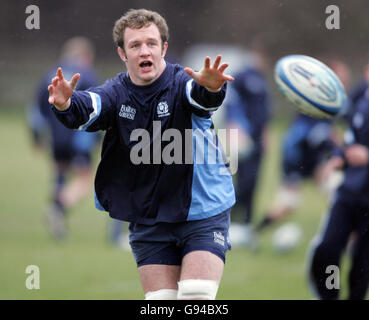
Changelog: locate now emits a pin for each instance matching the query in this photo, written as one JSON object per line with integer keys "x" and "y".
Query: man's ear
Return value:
{"x": 122, "y": 54}
{"x": 165, "y": 48}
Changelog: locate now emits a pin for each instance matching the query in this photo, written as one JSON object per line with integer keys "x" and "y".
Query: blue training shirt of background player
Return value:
{"x": 249, "y": 107}
{"x": 249, "y": 103}
{"x": 356, "y": 181}
{"x": 307, "y": 143}
{"x": 66, "y": 143}
{"x": 150, "y": 193}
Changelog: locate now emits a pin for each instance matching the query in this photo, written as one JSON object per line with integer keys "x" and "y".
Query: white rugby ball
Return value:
{"x": 287, "y": 237}
{"x": 312, "y": 87}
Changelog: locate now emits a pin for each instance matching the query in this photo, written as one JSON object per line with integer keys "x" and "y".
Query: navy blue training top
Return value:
{"x": 195, "y": 185}
{"x": 356, "y": 181}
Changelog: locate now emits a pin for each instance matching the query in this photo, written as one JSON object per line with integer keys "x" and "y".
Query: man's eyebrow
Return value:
{"x": 133, "y": 41}
{"x": 152, "y": 39}
{"x": 140, "y": 40}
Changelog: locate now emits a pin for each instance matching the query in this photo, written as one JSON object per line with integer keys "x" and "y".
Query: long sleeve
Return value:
{"x": 90, "y": 110}
{"x": 201, "y": 99}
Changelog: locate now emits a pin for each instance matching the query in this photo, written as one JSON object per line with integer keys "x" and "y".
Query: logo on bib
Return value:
{"x": 163, "y": 109}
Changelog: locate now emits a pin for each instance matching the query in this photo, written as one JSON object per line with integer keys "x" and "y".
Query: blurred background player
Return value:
{"x": 71, "y": 149}
{"x": 348, "y": 213}
{"x": 307, "y": 145}
{"x": 248, "y": 110}
{"x": 356, "y": 93}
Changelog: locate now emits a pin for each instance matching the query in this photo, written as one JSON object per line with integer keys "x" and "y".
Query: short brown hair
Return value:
{"x": 136, "y": 19}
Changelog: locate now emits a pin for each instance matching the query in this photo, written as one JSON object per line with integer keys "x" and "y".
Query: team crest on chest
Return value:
{"x": 163, "y": 109}
{"x": 127, "y": 112}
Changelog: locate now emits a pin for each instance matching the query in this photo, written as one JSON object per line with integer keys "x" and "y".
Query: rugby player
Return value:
{"x": 348, "y": 214}
{"x": 179, "y": 212}
{"x": 248, "y": 111}
{"x": 307, "y": 146}
{"x": 71, "y": 150}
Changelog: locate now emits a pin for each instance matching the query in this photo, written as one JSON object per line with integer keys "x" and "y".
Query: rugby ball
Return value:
{"x": 312, "y": 87}
{"x": 286, "y": 237}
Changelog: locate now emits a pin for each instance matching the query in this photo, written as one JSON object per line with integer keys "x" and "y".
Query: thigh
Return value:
{"x": 360, "y": 252}
{"x": 204, "y": 248}
{"x": 338, "y": 224}
{"x": 157, "y": 257}
{"x": 158, "y": 276}
{"x": 202, "y": 265}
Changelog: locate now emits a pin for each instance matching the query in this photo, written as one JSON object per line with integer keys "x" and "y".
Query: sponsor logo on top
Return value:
{"x": 127, "y": 112}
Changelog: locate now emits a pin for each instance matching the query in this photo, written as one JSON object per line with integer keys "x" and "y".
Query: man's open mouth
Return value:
{"x": 145, "y": 64}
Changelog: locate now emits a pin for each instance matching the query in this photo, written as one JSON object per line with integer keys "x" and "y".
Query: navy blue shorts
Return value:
{"x": 168, "y": 243}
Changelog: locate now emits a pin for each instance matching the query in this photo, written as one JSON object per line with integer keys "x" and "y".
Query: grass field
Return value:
{"x": 86, "y": 266}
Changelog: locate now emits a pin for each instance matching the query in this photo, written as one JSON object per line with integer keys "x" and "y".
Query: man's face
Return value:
{"x": 143, "y": 54}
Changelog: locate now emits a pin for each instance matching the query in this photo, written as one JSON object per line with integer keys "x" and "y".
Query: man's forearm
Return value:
{"x": 75, "y": 112}
{"x": 206, "y": 97}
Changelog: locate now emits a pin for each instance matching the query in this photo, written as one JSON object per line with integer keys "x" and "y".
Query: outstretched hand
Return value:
{"x": 357, "y": 155}
{"x": 60, "y": 90}
{"x": 211, "y": 77}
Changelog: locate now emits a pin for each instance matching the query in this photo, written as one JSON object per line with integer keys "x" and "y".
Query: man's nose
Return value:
{"x": 144, "y": 50}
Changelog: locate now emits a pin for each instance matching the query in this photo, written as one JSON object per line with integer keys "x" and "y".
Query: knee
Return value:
{"x": 327, "y": 251}
{"x": 163, "y": 294}
{"x": 187, "y": 290}
{"x": 197, "y": 289}
{"x": 323, "y": 255}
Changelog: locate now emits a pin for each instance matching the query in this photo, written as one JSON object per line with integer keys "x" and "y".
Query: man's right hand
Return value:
{"x": 60, "y": 90}
{"x": 357, "y": 155}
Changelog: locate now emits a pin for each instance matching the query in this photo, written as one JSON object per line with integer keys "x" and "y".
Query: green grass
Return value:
{"x": 87, "y": 267}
